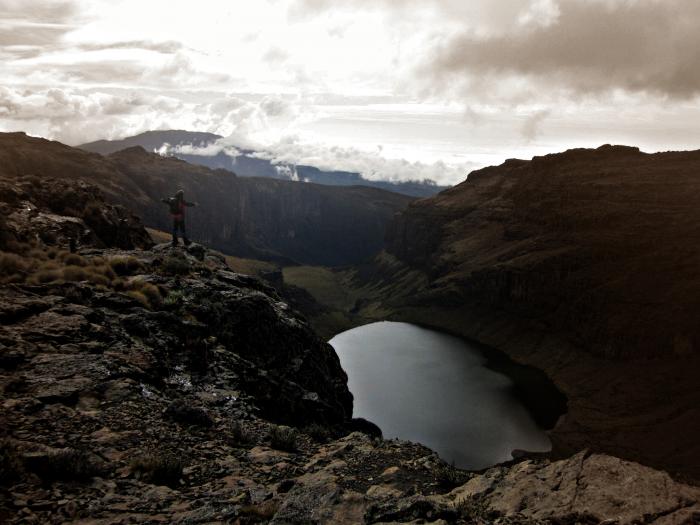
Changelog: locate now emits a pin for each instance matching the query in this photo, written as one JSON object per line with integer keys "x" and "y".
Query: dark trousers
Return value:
{"x": 179, "y": 224}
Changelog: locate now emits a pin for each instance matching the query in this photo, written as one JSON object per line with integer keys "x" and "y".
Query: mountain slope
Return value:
{"x": 250, "y": 217}
{"x": 250, "y": 163}
{"x": 585, "y": 264}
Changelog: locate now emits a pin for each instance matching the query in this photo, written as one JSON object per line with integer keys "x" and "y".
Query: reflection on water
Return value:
{"x": 429, "y": 387}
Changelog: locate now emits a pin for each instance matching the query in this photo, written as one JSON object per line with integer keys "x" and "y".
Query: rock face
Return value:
{"x": 54, "y": 213}
{"x": 250, "y": 217}
{"x": 200, "y": 317}
{"x": 154, "y": 386}
{"x": 584, "y": 264}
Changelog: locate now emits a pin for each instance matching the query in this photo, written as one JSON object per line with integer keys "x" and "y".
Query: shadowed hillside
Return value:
{"x": 585, "y": 264}
{"x": 250, "y": 217}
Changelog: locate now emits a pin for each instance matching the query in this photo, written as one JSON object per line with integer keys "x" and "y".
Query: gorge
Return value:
{"x": 582, "y": 264}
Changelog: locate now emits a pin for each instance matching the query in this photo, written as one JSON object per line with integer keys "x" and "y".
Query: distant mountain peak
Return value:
{"x": 133, "y": 150}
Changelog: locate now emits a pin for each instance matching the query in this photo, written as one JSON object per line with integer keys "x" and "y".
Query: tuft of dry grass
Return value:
{"x": 73, "y": 259}
{"x": 448, "y": 476}
{"x": 125, "y": 265}
{"x": 105, "y": 269}
{"x": 140, "y": 297}
{"x": 11, "y": 263}
{"x": 74, "y": 273}
{"x": 141, "y": 289}
{"x": 283, "y": 438}
{"x": 176, "y": 265}
{"x": 45, "y": 277}
{"x": 152, "y": 293}
{"x": 160, "y": 469}
{"x": 240, "y": 435}
{"x": 11, "y": 467}
{"x": 261, "y": 512}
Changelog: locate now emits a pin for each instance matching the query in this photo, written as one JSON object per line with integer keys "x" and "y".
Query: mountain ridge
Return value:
{"x": 250, "y": 163}
{"x": 582, "y": 264}
{"x": 251, "y": 217}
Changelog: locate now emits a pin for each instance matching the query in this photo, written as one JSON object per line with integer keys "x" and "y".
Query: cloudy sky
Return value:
{"x": 394, "y": 88}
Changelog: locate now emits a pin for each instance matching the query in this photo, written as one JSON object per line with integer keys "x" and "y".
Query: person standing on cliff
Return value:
{"x": 177, "y": 206}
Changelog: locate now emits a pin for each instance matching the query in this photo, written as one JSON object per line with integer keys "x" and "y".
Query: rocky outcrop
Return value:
{"x": 583, "y": 264}
{"x": 250, "y": 217}
{"x": 161, "y": 310}
{"x": 54, "y": 213}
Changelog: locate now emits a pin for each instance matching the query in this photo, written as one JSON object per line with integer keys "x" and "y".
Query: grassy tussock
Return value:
{"x": 317, "y": 432}
{"x": 174, "y": 265}
{"x": 34, "y": 266}
{"x": 11, "y": 467}
{"x": 146, "y": 293}
{"x": 259, "y": 513}
{"x": 125, "y": 266}
{"x": 68, "y": 465}
{"x": 449, "y": 477}
{"x": 283, "y": 438}
{"x": 158, "y": 469}
{"x": 240, "y": 435}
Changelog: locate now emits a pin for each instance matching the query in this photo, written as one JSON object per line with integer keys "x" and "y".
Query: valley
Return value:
{"x": 305, "y": 262}
{"x": 600, "y": 293}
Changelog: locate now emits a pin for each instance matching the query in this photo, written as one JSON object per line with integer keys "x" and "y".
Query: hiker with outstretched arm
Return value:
{"x": 177, "y": 206}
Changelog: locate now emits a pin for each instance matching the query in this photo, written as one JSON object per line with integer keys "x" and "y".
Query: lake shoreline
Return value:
{"x": 451, "y": 394}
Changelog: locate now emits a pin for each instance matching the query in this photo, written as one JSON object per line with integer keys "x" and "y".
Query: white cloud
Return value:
{"x": 291, "y": 151}
{"x": 585, "y": 48}
{"x": 357, "y": 82}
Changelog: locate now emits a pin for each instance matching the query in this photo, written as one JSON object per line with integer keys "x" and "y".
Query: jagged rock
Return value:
{"x": 65, "y": 213}
{"x": 358, "y": 424}
{"x": 585, "y": 487}
{"x": 410, "y": 510}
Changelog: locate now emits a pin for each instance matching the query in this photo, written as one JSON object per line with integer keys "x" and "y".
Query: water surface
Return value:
{"x": 429, "y": 387}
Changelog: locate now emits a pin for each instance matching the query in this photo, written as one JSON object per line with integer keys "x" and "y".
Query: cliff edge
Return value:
{"x": 584, "y": 264}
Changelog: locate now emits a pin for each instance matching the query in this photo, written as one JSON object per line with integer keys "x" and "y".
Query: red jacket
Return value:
{"x": 177, "y": 207}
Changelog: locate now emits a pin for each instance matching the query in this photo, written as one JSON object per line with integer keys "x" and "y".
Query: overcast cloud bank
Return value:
{"x": 348, "y": 85}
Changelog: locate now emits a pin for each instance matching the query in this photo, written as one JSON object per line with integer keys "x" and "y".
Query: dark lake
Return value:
{"x": 429, "y": 387}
